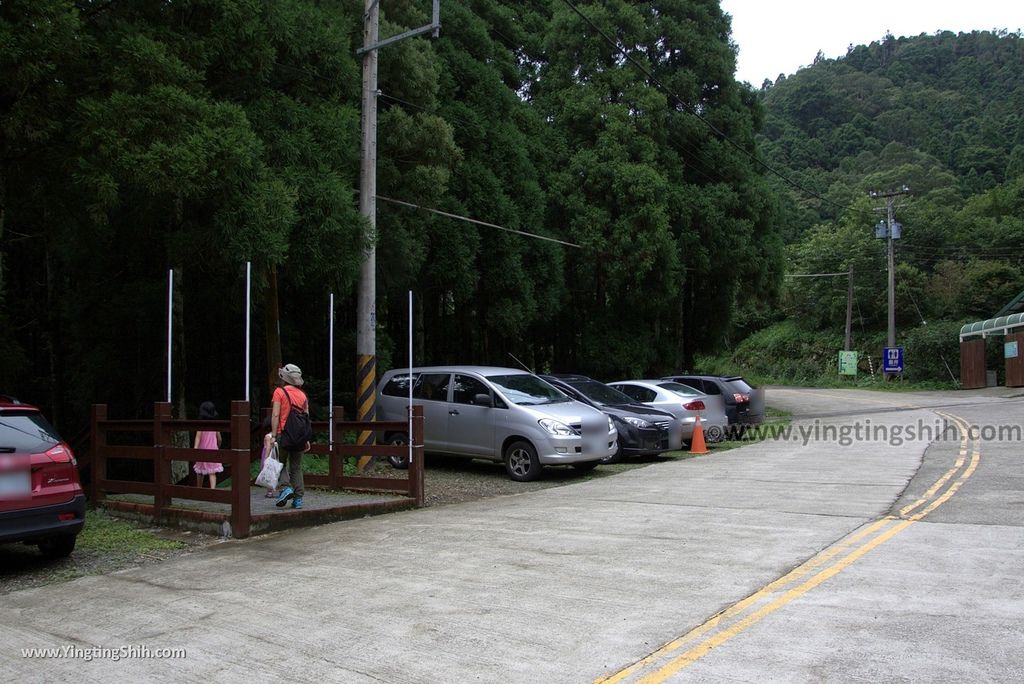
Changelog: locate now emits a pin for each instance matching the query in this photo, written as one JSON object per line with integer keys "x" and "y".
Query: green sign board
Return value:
{"x": 847, "y": 363}
{"x": 1010, "y": 350}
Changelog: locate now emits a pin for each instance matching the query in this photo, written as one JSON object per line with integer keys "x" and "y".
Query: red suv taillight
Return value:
{"x": 61, "y": 454}
{"x": 741, "y": 398}
{"x": 697, "y": 405}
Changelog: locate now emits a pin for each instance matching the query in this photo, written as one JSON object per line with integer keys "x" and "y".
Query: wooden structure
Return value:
{"x": 1010, "y": 326}
{"x": 152, "y": 441}
{"x": 972, "y": 364}
{"x": 1015, "y": 364}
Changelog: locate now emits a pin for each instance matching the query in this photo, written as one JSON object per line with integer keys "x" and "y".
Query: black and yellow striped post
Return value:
{"x": 366, "y": 401}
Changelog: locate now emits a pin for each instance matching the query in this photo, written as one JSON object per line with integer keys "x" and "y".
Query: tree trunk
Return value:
{"x": 273, "y": 329}
{"x": 179, "y": 469}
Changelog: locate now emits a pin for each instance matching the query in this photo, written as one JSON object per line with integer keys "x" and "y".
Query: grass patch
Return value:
{"x": 106, "y": 534}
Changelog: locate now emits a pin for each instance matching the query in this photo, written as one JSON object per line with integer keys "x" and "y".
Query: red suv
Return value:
{"x": 41, "y": 498}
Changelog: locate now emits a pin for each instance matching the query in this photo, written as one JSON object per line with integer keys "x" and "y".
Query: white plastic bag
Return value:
{"x": 271, "y": 470}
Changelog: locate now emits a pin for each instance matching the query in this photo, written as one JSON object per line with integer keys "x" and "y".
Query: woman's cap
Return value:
{"x": 291, "y": 374}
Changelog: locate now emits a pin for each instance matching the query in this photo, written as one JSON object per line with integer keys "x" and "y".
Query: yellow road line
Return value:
{"x": 683, "y": 660}
{"x": 949, "y": 473}
{"x": 790, "y": 577}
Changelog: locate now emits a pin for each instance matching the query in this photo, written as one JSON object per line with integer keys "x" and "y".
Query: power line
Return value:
{"x": 476, "y": 221}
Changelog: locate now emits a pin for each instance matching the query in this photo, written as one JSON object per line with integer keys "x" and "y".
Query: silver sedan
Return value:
{"x": 683, "y": 402}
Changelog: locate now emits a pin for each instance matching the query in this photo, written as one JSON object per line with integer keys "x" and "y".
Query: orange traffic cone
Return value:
{"x": 697, "y": 445}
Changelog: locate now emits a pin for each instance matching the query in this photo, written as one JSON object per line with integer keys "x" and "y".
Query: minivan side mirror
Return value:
{"x": 482, "y": 400}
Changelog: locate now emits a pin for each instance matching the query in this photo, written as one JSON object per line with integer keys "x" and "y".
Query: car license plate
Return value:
{"x": 15, "y": 483}
{"x": 595, "y": 444}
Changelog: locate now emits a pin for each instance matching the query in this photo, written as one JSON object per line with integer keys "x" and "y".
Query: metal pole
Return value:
{"x": 366, "y": 308}
{"x": 849, "y": 310}
{"x": 410, "y": 378}
{"x": 330, "y": 371}
{"x": 248, "y": 324}
{"x": 170, "y": 326}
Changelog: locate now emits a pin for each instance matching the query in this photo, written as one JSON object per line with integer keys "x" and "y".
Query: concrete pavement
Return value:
{"x": 576, "y": 583}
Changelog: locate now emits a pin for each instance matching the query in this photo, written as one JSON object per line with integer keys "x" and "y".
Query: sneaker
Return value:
{"x": 283, "y": 497}
{"x": 297, "y": 502}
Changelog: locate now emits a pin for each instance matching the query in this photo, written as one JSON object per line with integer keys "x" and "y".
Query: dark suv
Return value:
{"x": 41, "y": 498}
{"x": 643, "y": 431}
{"x": 743, "y": 403}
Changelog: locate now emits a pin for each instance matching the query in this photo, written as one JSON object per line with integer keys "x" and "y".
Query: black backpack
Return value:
{"x": 297, "y": 428}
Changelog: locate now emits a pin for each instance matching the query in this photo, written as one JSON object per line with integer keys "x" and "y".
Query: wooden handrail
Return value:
{"x": 237, "y": 459}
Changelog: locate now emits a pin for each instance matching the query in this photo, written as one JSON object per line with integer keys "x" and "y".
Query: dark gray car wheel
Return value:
{"x": 521, "y": 462}
{"x": 614, "y": 458}
{"x": 398, "y": 462}
{"x": 714, "y": 433}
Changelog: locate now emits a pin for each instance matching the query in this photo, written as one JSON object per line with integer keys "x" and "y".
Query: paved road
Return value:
{"x": 814, "y": 558}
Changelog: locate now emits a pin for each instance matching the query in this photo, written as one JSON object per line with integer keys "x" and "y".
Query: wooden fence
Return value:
{"x": 237, "y": 455}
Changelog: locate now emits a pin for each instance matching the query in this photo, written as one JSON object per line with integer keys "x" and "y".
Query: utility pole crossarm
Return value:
{"x": 433, "y": 28}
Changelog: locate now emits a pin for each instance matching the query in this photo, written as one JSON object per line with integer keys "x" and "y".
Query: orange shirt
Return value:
{"x": 297, "y": 397}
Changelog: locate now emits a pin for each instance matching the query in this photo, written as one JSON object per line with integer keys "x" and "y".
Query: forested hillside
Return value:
{"x": 940, "y": 114}
{"x": 198, "y": 135}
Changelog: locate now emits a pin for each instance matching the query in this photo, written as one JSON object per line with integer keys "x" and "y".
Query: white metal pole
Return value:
{"x": 330, "y": 372}
{"x": 248, "y": 326}
{"x": 170, "y": 324}
{"x": 410, "y": 377}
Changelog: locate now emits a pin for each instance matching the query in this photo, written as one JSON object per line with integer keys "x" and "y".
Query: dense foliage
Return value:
{"x": 940, "y": 114}
{"x": 198, "y": 135}
{"x": 136, "y": 138}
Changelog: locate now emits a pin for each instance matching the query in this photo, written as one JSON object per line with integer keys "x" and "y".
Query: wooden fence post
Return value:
{"x": 98, "y": 440}
{"x": 161, "y": 467}
{"x": 241, "y": 496}
{"x": 416, "y": 466}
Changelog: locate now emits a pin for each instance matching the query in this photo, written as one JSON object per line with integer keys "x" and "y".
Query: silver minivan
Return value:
{"x": 499, "y": 414}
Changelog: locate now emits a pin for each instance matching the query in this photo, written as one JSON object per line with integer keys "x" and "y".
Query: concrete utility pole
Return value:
{"x": 366, "y": 300}
{"x": 892, "y": 231}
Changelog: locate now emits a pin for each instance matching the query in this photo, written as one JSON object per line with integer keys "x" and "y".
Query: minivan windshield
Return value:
{"x": 527, "y": 390}
{"x": 599, "y": 393}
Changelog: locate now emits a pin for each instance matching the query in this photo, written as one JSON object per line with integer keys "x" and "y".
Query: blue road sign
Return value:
{"x": 892, "y": 360}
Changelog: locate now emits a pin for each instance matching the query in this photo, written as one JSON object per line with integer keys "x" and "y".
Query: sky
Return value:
{"x": 779, "y": 36}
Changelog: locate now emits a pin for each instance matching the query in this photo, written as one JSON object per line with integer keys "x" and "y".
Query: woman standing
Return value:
{"x": 289, "y": 397}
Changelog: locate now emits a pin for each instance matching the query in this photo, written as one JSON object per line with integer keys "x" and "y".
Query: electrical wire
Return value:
{"x": 475, "y": 221}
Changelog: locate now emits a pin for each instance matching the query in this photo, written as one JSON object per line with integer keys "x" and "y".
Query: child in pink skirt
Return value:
{"x": 207, "y": 440}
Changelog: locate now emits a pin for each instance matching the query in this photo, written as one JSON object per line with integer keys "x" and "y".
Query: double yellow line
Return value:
{"x": 666, "y": 661}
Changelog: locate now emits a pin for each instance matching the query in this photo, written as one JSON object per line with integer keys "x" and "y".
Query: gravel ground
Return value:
{"x": 446, "y": 481}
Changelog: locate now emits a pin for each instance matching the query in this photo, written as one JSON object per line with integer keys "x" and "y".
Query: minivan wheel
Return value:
{"x": 398, "y": 462}
{"x": 521, "y": 462}
{"x": 58, "y": 547}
